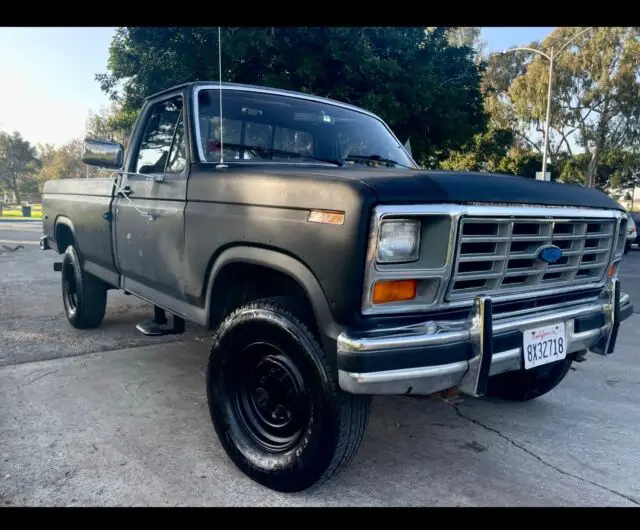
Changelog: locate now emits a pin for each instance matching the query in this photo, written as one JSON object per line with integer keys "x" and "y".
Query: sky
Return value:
{"x": 49, "y": 83}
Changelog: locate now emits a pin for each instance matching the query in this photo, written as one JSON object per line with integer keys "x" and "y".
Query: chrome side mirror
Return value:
{"x": 103, "y": 154}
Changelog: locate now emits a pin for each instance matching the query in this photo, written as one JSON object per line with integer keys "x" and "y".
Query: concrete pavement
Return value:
{"x": 109, "y": 417}
{"x": 131, "y": 427}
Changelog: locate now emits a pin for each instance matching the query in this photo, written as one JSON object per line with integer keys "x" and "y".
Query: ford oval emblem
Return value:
{"x": 550, "y": 254}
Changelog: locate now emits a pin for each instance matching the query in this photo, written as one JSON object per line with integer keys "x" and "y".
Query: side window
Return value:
{"x": 158, "y": 136}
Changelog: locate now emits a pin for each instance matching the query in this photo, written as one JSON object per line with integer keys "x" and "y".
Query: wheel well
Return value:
{"x": 64, "y": 237}
{"x": 240, "y": 283}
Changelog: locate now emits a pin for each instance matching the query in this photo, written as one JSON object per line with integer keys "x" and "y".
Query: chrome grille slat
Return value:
{"x": 496, "y": 255}
{"x": 520, "y": 272}
{"x": 567, "y": 238}
{"x": 468, "y": 277}
{"x": 472, "y": 239}
{"x": 529, "y": 238}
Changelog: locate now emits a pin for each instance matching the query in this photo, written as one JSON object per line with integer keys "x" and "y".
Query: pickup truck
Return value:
{"x": 330, "y": 267}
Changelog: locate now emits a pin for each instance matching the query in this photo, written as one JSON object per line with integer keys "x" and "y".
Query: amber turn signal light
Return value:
{"x": 326, "y": 217}
{"x": 612, "y": 270}
{"x": 394, "y": 291}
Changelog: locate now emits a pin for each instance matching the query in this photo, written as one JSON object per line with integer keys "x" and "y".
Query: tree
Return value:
{"x": 621, "y": 169}
{"x": 618, "y": 170}
{"x": 412, "y": 77}
{"x": 467, "y": 36}
{"x": 107, "y": 124}
{"x": 596, "y": 93}
{"x": 484, "y": 153}
{"x": 61, "y": 163}
{"x": 18, "y": 162}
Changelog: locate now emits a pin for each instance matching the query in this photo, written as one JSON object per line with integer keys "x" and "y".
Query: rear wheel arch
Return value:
{"x": 64, "y": 233}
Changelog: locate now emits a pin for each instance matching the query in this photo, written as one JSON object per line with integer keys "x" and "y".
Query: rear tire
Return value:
{"x": 275, "y": 401}
{"x": 525, "y": 385}
{"x": 84, "y": 296}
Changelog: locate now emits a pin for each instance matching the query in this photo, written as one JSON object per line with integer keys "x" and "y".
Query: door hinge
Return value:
{"x": 107, "y": 216}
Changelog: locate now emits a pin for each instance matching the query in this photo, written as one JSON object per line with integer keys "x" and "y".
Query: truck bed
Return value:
{"x": 79, "y": 206}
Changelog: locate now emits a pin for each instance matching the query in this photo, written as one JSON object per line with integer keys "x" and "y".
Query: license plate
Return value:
{"x": 544, "y": 345}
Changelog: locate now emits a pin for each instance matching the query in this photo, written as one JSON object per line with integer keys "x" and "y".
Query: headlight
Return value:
{"x": 399, "y": 241}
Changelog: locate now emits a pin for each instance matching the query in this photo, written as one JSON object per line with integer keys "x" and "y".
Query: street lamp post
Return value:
{"x": 552, "y": 55}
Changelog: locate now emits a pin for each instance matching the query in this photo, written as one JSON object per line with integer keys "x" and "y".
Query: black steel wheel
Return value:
{"x": 275, "y": 402}
{"x": 84, "y": 296}
{"x": 271, "y": 401}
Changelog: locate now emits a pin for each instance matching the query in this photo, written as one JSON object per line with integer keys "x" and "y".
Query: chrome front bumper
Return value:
{"x": 491, "y": 346}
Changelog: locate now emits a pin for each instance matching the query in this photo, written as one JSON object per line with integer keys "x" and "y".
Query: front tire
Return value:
{"x": 525, "y": 385}
{"x": 275, "y": 402}
{"x": 84, "y": 296}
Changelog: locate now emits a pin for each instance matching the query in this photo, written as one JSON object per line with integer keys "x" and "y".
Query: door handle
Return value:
{"x": 125, "y": 190}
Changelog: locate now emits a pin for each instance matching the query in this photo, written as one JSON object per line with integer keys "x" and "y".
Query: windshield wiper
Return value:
{"x": 261, "y": 151}
{"x": 376, "y": 158}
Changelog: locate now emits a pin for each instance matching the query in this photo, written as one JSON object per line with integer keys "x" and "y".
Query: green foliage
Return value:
{"x": 596, "y": 92}
{"x": 18, "y": 163}
{"x": 484, "y": 153}
{"x": 524, "y": 163}
{"x": 414, "y": 79}
{"x": 618, "y": 170}
{"x": 110, "y": 123}
{"x": 61, "y": 163}
{"x": 468, "y": 36}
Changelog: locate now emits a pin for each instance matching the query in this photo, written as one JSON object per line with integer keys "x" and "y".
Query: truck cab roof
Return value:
{"x": 271, "y": 90}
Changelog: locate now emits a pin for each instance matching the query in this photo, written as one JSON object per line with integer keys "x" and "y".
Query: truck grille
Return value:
{"x": 500, "y": 255}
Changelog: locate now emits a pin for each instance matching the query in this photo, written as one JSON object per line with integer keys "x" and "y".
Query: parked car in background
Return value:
{"x": 636, "y": 219}
{"x": 632, "y": 231}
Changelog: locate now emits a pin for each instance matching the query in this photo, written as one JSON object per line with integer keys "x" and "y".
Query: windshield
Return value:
{"x": 274, "y": 128}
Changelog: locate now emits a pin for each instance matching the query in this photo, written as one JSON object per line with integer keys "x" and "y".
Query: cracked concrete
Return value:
{"x": 541, "y": 460}
{"x": 131, "y": 427}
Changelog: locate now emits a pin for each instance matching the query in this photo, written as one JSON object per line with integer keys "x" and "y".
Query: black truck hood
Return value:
{"x": 470, "y": 187}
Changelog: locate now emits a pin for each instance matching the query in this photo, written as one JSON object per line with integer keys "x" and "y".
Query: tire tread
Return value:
{"x": 92, "y": 302}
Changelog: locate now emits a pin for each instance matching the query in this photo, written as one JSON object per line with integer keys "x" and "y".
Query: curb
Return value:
{"x": 20, "y": 220}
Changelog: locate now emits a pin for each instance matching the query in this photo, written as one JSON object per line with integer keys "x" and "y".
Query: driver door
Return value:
{"x": 149, "y": 213}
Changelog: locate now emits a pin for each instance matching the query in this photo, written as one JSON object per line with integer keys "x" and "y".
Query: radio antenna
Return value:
{"x": 221, "y": 164}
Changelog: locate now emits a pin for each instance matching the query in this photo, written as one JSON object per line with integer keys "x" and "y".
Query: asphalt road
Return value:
{"x": 109, "y": 417}
{"x": 19, "y": 233}
{"x": 32, "y": 322}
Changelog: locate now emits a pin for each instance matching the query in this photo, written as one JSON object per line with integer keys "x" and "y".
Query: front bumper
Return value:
{"x": 435, "y": 356}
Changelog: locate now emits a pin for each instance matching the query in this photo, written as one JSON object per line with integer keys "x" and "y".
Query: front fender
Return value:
{"x": 285, "y": 264}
